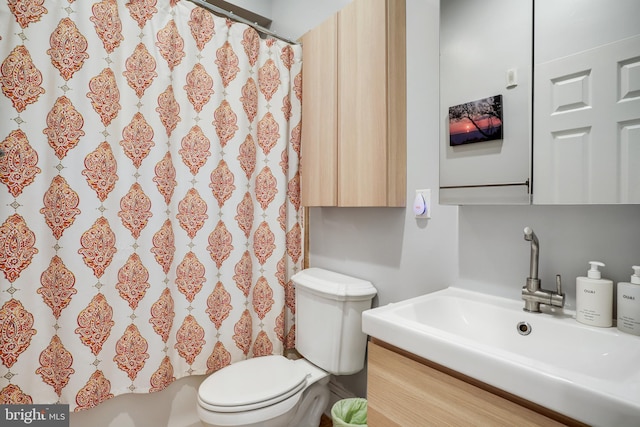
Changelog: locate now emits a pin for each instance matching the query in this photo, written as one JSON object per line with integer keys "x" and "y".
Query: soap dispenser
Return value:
{"x": 629, "y": 304}
{"x": 594, "y": 298}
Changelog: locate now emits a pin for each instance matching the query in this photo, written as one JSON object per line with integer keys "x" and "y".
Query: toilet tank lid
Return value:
{"x": 337, "y": 286}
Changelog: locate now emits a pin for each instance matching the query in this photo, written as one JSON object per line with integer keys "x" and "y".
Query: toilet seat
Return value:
{"x": 252, "y": 384}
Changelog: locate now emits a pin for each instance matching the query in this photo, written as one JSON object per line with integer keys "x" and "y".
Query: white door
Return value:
{"x": 587, "y": 126}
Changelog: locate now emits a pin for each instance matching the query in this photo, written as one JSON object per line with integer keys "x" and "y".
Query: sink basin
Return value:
{"x": 587, "y": 373}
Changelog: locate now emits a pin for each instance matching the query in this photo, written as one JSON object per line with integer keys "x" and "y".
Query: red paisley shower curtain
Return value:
{"x": 149, "y": 196}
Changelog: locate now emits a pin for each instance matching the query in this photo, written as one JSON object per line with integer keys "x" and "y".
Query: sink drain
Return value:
{"x": 524, "y": 328}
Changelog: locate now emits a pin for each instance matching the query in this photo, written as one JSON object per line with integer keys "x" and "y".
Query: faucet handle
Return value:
{"x": 558, "y": 284}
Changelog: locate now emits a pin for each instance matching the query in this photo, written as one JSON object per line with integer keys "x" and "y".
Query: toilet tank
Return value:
{"x": 328, "y": 313}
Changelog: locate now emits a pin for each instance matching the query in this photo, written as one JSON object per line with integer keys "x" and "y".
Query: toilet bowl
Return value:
{"x": 274, "y": 391}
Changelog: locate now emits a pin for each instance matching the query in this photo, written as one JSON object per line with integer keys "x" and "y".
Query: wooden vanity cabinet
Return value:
{"x": 405, "y": 390}
{"x": 353, "y": 137}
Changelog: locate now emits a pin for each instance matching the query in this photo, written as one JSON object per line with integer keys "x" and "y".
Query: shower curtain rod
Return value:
{"x": 217, "y": 10}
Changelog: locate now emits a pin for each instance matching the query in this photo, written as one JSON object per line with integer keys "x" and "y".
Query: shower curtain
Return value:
{"x": 149, "y": 196}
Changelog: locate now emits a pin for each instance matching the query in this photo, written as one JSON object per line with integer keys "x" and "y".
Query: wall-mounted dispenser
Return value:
{"x": 422, "y": 204}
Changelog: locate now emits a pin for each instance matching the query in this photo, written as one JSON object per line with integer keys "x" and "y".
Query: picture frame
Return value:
{"x": 476, "y": 121}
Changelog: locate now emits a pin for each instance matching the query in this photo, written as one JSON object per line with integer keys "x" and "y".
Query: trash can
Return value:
{"x": 350, "y": 412}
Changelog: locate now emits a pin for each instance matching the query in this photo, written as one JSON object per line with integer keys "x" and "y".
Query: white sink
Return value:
{"x": 587, "y": 373}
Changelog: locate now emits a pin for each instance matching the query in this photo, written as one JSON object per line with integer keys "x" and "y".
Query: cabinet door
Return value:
{"x": 371, "y": 104}
{"x": 587, "y": 102}
{"x": 319, "y": 119}
{"x": 481, "y": 42}
{"x": 404, "y": 392}
{"x": 588, "y": 127}
{"x": 354, "y": 107}
{"x": 362, "y": 111}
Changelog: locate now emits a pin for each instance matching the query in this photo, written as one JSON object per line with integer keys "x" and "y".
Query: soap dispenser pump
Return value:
{"x": 629, "y": 304}
{"x": 594, "y": 298}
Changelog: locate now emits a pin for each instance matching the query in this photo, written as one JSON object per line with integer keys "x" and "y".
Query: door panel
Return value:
{"x": 586, "y": 126}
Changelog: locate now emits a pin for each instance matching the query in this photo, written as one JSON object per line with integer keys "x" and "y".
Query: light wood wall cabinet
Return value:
{"x": 354, "y": 107}
{"x": 403, "y": 390}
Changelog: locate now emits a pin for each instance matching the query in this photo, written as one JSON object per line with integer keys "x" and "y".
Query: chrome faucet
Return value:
{"x": 532, "y": 293}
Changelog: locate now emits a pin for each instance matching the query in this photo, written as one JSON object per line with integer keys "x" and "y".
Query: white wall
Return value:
{"x": 494, "y": 257}
{"x": 403, "y": 257}
{"x": 293, "y": 18}
{"x": 492, "y": 247}
{"x": 589, "y": 23}
{"x": 261, "y": 7}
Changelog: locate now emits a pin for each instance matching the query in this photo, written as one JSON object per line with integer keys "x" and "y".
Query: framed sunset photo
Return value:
{"x": 476, "y": 121}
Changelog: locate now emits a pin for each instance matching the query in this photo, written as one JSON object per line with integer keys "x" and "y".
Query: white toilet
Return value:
{"x": 273, "y": 391}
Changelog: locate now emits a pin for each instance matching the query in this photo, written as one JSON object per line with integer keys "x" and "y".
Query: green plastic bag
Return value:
{"x": 350, "y": 412}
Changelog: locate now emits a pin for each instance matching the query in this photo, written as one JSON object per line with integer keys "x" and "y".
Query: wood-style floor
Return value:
{"x": 325, "y": 421}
